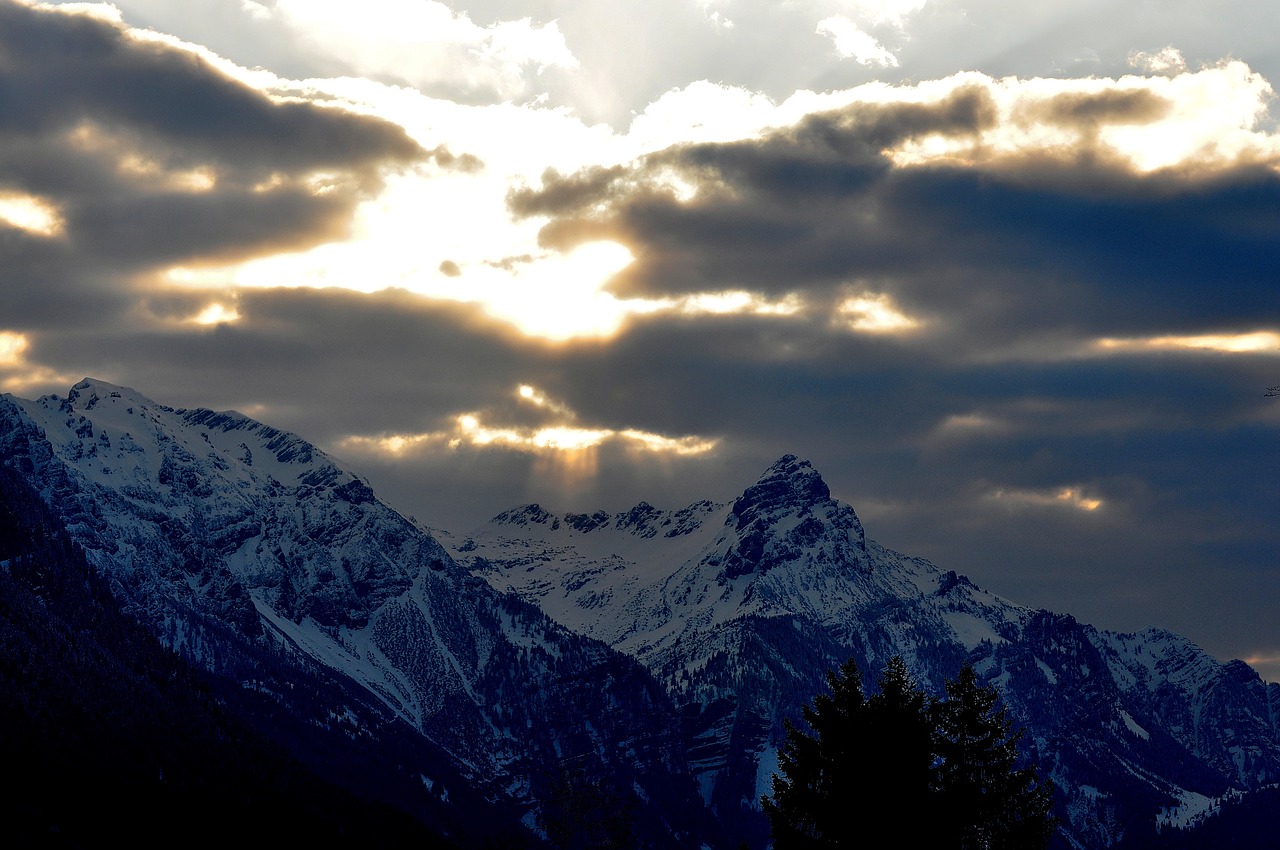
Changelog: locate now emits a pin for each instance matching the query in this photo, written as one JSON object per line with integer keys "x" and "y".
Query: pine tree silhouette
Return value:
{"x": 822, "y": 773}
{"x": 985, "y": 800}
{"x": 946, "y": 771}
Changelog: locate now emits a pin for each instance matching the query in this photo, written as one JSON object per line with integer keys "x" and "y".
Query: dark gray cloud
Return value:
{"x": 980, "y": 439}
{"x": 63, "y": 70}
{"x": 1021, "y": 246}
{"x": 154, "y": 157}
{"x": 974, "y": 441}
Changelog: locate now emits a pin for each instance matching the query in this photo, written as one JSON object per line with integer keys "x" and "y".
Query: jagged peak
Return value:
{"x": 523, "y": 515}
{"x": 787, "y": 511}
{"x": 790, "y": 483}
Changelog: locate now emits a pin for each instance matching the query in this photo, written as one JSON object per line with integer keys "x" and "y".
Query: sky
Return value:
{"x": 1007, "y": 274}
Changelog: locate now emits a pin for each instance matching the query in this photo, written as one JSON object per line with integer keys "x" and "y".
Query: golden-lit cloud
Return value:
{"x": 194, "y": 180}
{"x": 874, "y": 313}
{"x": 974, "y": 423}
{"x": 1073, "y": 497}
{"x": 470, "y": 431}
{"x": 216, "y": 314}
{"x": 562, "y": 435}
{"x": 30, "y": 213}
{"x": 107, "y": 12}
{"x": 17, "y": 373}
{"x": 537, "y": 398}
{"x": 731, "y": 303}
{"x": 446, "y": 232}
{"x": 1253, "y": 342}
{"x": 135, "y": 165}
{"x": 12, "y": 346}
{"x": 1206, "y": 120}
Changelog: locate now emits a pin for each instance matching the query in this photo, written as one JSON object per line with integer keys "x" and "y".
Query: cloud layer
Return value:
{"x": 1021, "y": 316}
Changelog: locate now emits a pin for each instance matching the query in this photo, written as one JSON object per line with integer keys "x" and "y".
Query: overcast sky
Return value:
{"x": 1007, "y": 273}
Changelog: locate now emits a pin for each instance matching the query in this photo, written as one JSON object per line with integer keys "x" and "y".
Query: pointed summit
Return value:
{"x": 790, "y": 484}
{"x": 787, "y": 512}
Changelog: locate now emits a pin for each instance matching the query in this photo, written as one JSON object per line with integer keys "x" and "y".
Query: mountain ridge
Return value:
{"x": 790, "y": 579}
{"x": 239, "y": 545}
{"x": 657, "y": 651}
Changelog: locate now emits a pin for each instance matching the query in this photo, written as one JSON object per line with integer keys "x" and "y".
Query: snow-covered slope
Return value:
{"x": 246, "y": 548}
{"x": 738, "y": 608}
{"x": 661, "y": 649}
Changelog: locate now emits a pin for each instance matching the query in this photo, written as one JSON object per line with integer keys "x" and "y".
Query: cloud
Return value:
{"x": 122, "y": 154}
{"x": 428, "y": 45}
{"x": 1004, "y": 206}
{"x": 852, "y": 42}
{"x": 1050, "y": 277}
{"x": 1166, "y": 60}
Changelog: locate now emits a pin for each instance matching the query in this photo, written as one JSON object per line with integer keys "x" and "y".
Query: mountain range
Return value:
{"x": 631, "y": 671}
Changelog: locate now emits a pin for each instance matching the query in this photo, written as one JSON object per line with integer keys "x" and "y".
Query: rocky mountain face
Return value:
{"x": 642, "y": 663}
{"x": 738, "y": 609}
{"x": 260, "y": 559}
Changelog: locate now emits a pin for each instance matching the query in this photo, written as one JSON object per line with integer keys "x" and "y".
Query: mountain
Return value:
{"x": 739, "y": 607}
{"x": 106, "y": 735}
{"x": 597, "y": 675}
{"x": 260, "y": 560}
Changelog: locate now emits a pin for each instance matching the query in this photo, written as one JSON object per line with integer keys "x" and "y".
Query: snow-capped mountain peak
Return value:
{"x": 741, "y": 614}
{"x": 789, "y": 484}
{"x": 254, "y": 553}
{"x": 247, "y": 549}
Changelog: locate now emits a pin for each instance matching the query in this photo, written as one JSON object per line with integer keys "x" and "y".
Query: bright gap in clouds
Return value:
{"x": 875, "y": 313}
{"x": 562, "y": 437}
{"x": 12, "y": 346}
{"x": 445, "y": 232}
{"x": 17, "y": 373}
{"x": 1255, "y": 342}
{"x": 30, "y": 213}
{"x": 216, "y": 314}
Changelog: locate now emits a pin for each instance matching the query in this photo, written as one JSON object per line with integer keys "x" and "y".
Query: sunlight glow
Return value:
{"x": 19, "y": 375}
{"x": 30, "y": 213}
{"x": 216, "y": 314}
{"x": 1246, "y": 343}
{"x": 1199, "y": 121}
{"x": 471, "y": 429}
{"x": 12, "y": 346}
{"x": 875, "y": 314}
{"x": 737, "y": 302}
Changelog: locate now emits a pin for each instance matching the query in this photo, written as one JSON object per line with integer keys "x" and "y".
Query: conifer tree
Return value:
{"x": 985, "y": 800}
{"x": 899, "y": 753}
{"x": 946, "y": 770}
{"x": 821, "y": 773}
